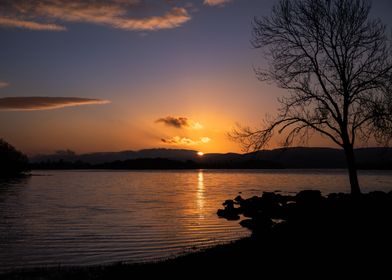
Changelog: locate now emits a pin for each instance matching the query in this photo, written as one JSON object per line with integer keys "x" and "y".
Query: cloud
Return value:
{"x": 177, "y": 140}
{"x": 44, "y": 103}
{"x": 216, "y": 2}
{"x": 180, "y": 122}
{"x": 3, "y": 84}
{"x": 44, "y": 15}
{"x": 16, "y": 23}
{"x": 174, "y": 18}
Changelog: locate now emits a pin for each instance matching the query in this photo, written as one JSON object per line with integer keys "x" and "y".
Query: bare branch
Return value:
{"x": 335, "y": 63}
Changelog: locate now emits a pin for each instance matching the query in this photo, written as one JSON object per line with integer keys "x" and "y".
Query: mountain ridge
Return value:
{"x": 293, "y": 157}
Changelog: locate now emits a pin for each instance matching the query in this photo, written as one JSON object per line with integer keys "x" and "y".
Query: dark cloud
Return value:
{"x": 179, "y": 122}
{"x": 178, "y": 140}
{"x": 44, "y": 103}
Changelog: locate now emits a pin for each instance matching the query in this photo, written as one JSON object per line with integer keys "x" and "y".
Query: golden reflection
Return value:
{"x": 200, "y": 199}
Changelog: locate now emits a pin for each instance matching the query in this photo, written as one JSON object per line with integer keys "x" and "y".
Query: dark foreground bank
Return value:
{"x": 294, "y": 235}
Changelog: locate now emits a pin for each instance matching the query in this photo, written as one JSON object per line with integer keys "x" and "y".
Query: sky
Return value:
{"x": 131, "y": 74}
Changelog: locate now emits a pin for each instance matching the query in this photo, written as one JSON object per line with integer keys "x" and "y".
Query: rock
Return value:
{"x": 247, "y": 223}
{"x": 249, "y": 207}
{"x": 377, "y": 196}
{"x": 228, "y": 203}
{"x": 270, "y": 196}
{"x": 238, "y": 199}
{"x": 271, "y": 204}
{"x": 263, "y": 221}
{"x": 308, "y": 214}
{"x": 221, "y": 213}
{"x": 233, "y": 217}
{"x": 227, "y": 214}
{"x": 259, "y": 223}
{"x": 309, "y": 197}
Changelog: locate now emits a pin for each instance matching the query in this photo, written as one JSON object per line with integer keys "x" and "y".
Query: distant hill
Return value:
{"x": 105, "y": 157}
{"x": 304, "y": 157}
{"x": 297, "y": 157}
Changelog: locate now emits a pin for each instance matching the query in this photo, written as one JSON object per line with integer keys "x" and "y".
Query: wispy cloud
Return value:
{"x": 180, "y": 122}
{"x": 216, "y": 2}
{"x": 34, "y": 103}
{"x": 178, "y": 140}
{"x": 17, "y": 23}
{"x": 45, "y": 15}
{"x": 3, "y": 84}
{"x": 174, "y": 18}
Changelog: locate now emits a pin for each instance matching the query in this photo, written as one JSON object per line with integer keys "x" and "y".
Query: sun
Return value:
{"x": 200, "y": 154}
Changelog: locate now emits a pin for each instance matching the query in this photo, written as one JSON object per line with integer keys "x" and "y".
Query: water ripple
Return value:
{"x": 87, "y": 218}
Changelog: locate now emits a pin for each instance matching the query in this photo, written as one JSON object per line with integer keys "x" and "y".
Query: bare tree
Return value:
{"x": 336, "y": 64}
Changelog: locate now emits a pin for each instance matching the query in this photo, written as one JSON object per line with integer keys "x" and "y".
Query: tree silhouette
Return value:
{"x": 12, "y": 162}
{"x": 336, "y": 64}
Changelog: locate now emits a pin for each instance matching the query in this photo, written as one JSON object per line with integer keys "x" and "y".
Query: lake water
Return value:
{"x": 90, "y": 217}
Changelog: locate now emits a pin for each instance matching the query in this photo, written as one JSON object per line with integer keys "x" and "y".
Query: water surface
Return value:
{"x": 90, "y": 217}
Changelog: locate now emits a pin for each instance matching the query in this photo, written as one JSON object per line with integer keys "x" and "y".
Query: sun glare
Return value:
{"x": 200, "y": 154}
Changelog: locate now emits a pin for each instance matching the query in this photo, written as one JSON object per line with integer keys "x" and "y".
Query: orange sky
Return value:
{"x": 75, "y": 78}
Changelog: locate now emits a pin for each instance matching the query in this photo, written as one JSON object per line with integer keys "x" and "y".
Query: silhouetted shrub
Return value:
{"x": 12, "y": 162}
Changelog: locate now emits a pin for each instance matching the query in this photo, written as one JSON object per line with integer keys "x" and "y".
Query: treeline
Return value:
{"x": 162, "y": 164}
{"x": 13, "y": 163}
{"x": 157, "y": 163}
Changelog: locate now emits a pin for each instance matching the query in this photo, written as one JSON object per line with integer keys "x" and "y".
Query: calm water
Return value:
{"x": 88, "y": 217}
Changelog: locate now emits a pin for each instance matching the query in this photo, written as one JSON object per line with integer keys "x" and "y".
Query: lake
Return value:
{"x": 97, "y": 217}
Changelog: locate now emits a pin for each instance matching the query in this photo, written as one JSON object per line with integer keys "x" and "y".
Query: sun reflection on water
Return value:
{"x": 200, "y": 200}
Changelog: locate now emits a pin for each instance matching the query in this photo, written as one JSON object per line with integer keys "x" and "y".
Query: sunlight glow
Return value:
{"x": 200, "y": 194}
{"x": 200, "y": 154}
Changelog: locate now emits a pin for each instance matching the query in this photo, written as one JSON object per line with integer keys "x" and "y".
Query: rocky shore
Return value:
{"x": 339, "y": 215}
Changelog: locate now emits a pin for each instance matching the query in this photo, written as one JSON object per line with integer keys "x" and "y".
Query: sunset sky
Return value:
{"x": 126, "y": 75}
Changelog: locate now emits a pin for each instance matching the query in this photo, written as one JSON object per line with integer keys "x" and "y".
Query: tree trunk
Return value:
{"x": 352, "y": 170}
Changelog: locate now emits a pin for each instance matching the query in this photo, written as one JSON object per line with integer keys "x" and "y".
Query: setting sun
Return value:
{"x": 200, "y": 154}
